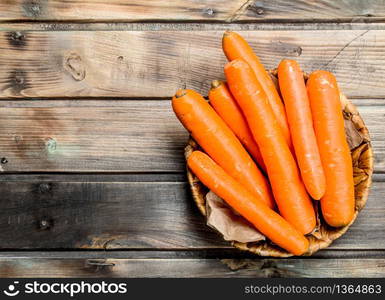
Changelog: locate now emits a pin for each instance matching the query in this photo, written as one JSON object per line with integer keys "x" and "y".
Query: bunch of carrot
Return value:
{"x": 268, "y": 158}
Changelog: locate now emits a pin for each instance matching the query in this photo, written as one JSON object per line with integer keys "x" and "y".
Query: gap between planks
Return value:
{"x": 189, "y": 26}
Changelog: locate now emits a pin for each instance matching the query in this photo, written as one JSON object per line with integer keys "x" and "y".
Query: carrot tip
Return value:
{"x": 180, "y": 93}
{"x": 227, "y": 32}
{"x": 215, "y": 84}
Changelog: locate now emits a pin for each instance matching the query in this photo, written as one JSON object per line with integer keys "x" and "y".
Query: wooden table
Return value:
{"x": 91, "y": 155}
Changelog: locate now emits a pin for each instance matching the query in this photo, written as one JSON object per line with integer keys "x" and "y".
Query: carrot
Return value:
{"x": 227, "y": 108}
{"x": 338, "y": 203}
{"x": 220, "y": 143}
{"x": 235, "y": 46}
{"x": 267, "y": 221}
{"x": 294, "y": 94}
{"x": 293, "y": 202}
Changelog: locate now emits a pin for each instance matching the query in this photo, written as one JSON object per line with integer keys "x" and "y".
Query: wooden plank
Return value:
{"x": 189, "y": 10}
{"x": 99, "y": 215}
{"x": 51, "y": 214}
{"x": 114, "y": 136}
{"x": 117, "y": 10}
{"x": 156, "y": 63}
{"x": 212, "y": 253}
{"x": 375, "y": 122}
{"x": 190, "y": 268}
{"x": 354, "y": 10}
{"x": 138, "y": 136}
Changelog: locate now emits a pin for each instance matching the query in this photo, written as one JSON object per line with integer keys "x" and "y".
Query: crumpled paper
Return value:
{"x": 234, "y": 227}
{"x": 230, "y": 224}
{"x": 353, "y": 136}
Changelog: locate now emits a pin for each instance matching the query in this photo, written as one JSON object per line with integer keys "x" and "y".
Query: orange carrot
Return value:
{"x": 267, "y": 221}
{"x": 227, "y": 108}
{"x": 338, "y": 203}
{"x": 220, "y": 143}
{"x": 293, "y": 202}
{"x": 234, "y": 47}
{"x": 294, "y": 94}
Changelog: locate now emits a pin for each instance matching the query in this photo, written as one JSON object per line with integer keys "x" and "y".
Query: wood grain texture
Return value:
{"x": 296, "y": 10}
{"x": 100, "y": 214}
{"x": 208, "y": 253}
{"x": 189, "y": 10}
{"x": 156, "y": 63}
{"x": 190, "y": 268}
{"x": 117, "y": 10}
{"x": 138, "y": 136}
{"x": 114, "y": 136}
{"x": 82, "y": 49}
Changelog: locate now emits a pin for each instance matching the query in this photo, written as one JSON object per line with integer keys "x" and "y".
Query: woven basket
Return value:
{"x": 362, "y": 157}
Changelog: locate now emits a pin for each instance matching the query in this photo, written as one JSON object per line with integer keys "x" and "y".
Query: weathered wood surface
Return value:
{"x": 101, "y": 215}
{"x": 147, "y": 217}
{"x": 137, "y": 136}
{"x": 156, "y": 63}
{"x": 208, "y": 253}
{"x": 188, "y": 268}
{"x": 114, "y": 136}
{"x": 117, "y": 10}
{"x": 189, "y": 10}
{"x": 96, "y": 213}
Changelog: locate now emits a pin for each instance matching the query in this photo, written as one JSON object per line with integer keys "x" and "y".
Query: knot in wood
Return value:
{"x": 50, "y": 145}
{"x": 44, "y": 188}
{"x": 45, "y": 224}
{"x": 35, "y": 9}
{"x": 18, "y": 81}
{"x": 32, "y": 8}
{"x": 73, "y": 63}
{"x": 256, "y": 8}
{"x": 298, "y": 51}
{"x": 17, "y": 39}
{"x": 208, "y": 11}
